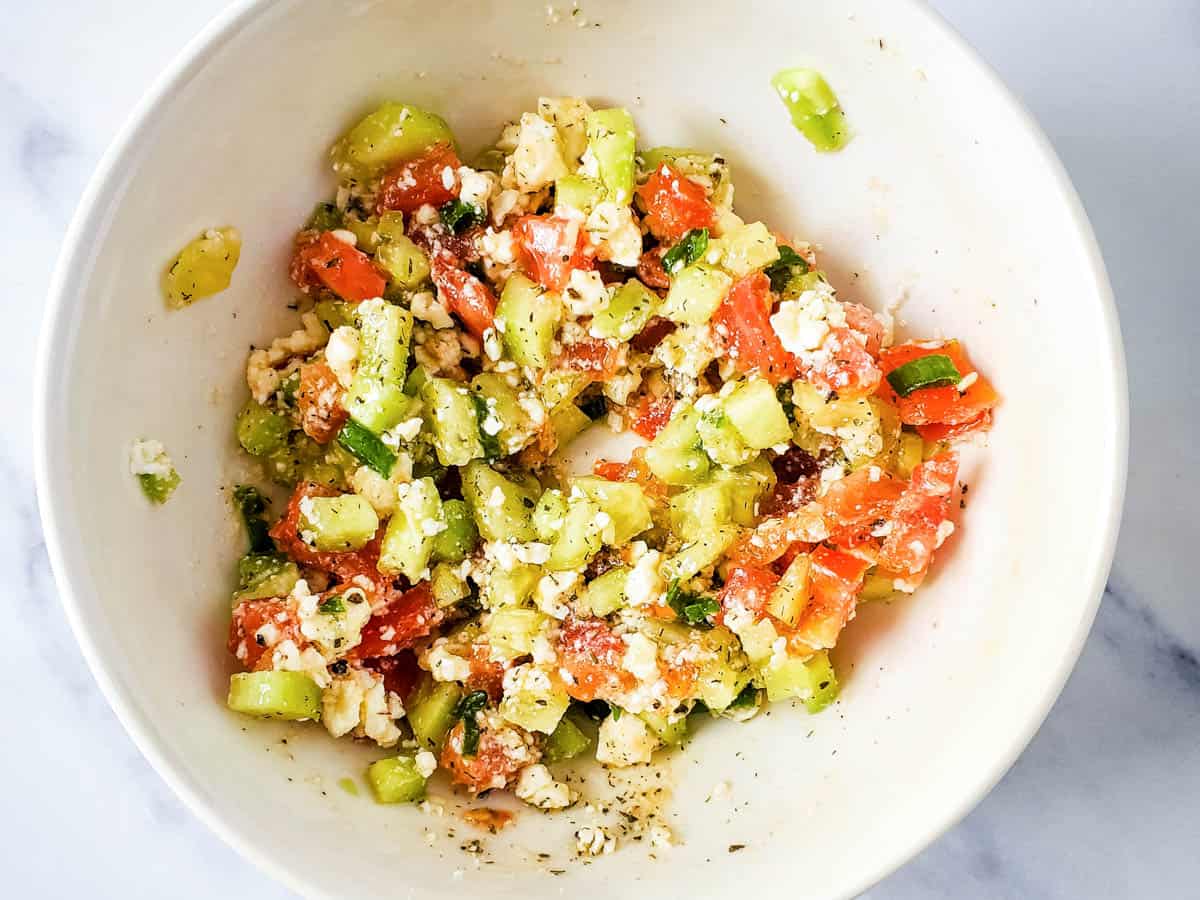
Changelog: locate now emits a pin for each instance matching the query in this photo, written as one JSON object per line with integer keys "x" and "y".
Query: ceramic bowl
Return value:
{"x": 948, "y": 199}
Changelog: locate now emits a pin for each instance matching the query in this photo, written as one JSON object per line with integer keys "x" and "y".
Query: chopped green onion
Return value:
{"x": 616, "y": 712}
{"x": 367, "y": 446}
{"x": 782, "y": 270}
{"x": 466, "y": 709}
{"x": 458, "y": 216}
{"x": 937, "y": 370}
{"x": 814, "y": 107}
{"x": 332, "y": 606}
{"x": 490, "y": 442}
{"x": 694, "y": 609}
{"x": 252, "y": 504}
{"x": 689, "y": 249}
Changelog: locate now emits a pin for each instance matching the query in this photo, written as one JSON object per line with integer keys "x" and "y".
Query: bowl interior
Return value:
{"x": 947, "y": 198}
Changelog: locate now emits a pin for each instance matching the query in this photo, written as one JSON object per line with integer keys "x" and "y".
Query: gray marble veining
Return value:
{"x": 1103, "y": 804}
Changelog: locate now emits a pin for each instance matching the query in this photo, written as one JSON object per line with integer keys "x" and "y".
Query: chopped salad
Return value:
{"x": 439, "y": 584}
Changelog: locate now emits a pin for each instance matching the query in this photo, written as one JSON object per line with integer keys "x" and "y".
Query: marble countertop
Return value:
{"x": 1104, "y": 802}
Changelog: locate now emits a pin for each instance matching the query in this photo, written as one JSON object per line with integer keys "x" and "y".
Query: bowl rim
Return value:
{"x": 90, "y": 215}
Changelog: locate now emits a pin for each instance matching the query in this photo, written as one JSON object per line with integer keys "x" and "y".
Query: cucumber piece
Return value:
{"x": 506, "y": 420}
{"x": 511, "y": 630}
{"x": 579, "y": 538}
{"x": 578, "y": 192}
{"x": 377, "y": 405}
{"x": 406, "y": 263}
{"x": 612, "y": 139}
{"x": 448, "y": 585}
{"x": 909, "y": 454}
{"x": 757, "y": 415}
{"x": 604, "y": 595}
{"x": 674, "y": 455}
{"x": 569, "y": 117}
{"x": 512, "y": 588}
{"x": 721, "y": 441}
{"x": 460, "y": 535}
{"x": 573, "y": 735}
{"x": 502, "y": 509}
{"x": 701, "y": 552}
{"x": 338, "y": 524}
{"x": 367, "y": 447}
{"x": 528, "y": 318}
{"x": 431, "y": 712}
{"x": 275, "y": 695}
{"x": 450, "y": 414}
{"x": 533, "y": 700}
{"x": 408, "y": 542}
{"x": 376, "y": 396}
{"x": 696, "y": 292}
{"x": 627, "y": 312}
{"x": 568, "y": 422}
{"x": 549, "y": 514}
{"x": 758, "y": 641}
{"x": 561, "y": 388}
{"x": 624, "y": 502}
{"x": 393, "y": 133}
{"x": 746, "y": 248}
{"x": 265, "y": 575}
{"x": 814, "y": 108}
{"x": 793, "y": 591}
{"x": 745, "y": 489}
{"x": 366, "y": 233}
{"x": 261, "y": 431}
{"x": 876, "y": 587}
{"x": 812, "y": 680}
{"x": 415, "y": 381}
{"x": 670, "y": 731}
{"x": 725, "y": 673}
{"x": 396, "y": 780}
{"x": 203, "y": 267}
{"x": 334, "y": 313}
{"x": 700, "y": 507}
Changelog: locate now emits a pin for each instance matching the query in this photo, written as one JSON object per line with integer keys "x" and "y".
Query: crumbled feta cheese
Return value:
{"x": 492, "y": 345}
{"x": 476, "y": 187}
{"x": 427, "y": 215}
{"x": 331, "y": 633}
{"x": 615, "y": 232}
{"x": 537, "y": 161}
{"x": 585, "y": 293}
{"x": 594, "y": 840}
{"x": 641, "y": 657}
{"x": 426, "y": 763}
{"x": 552, "y": 592}
{"x": 429, "y": 309}
{"x": 445, "y": 666}
{"x": 688, "y": 349}
{"x": 150, "y": 458}
{"x": 625, "y": 741}
{"x": 346, "y": 237}
{"x": 341, "y": 353}
{"x": 537, "y": 787}
{"x": 262, "y": 368}
{"x": 544, "y": 653}
{"x": 944, "y": 530}
{"x": 645, "y": 584}
{"x": 498, "y": 246}
{"x": 802, "y": 324}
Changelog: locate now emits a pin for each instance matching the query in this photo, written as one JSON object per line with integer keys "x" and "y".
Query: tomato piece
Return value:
{"x": 400, "y": 672}
{"x": 635, "y": 470}
{"x": 591, "y": 653}
{"x": 940, "y": 405}
{"x": 253, "y": 650}
{"x": 680, "y": 676}
{"x": 748, "y": 587}
{"x": 464, "y": 294}
{"x": 862, "y": 320}
{"x": 651, "y": 271}
{"x": 856, "y": 504}
{"x": 938, "y": 432}
{"x": 400, "y": 624}
{"x": 601, "y": 358}
{"x": 744, "y": 325}
{"x": 772, "y": 537}
{"x": 551, "y": 248}
{"x": 652, "y": 415}
{"x": 845, "y": 366}
{"x": 674, "y": 204}
{"x": 422, "y": 181}
{"x": 319, "y": 400}
{"x": 918, "y": 517}
{"x": 345, "y": 270}
{"x": 836, "y": 580}
{"x": 486, "y": 673}
{"x": 496, "y": 760}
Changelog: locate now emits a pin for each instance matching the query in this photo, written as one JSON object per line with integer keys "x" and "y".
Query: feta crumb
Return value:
{"x": 615, "y": 233}
{"x": 594, "y": 840}
{"x": 341, "y": 353}
{"x": 428, "y": 308}
{"x": 346, "y": 237}
{"x": 426, "y": 763}
{"x": 645, "y": 584}
{"x": 150, "y": 457}
{"x": 427, "y": 215}
{"x": 641, "y": 657}
{"x": 944, "y": 530}
{"x": 445, "y": 666}
{"x": 625, "y": 741}
{"x": 537, "y": 787}
{"x": 586, "y": 293}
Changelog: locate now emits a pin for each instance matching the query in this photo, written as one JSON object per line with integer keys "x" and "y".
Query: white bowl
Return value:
{"x": 949, "y": 196}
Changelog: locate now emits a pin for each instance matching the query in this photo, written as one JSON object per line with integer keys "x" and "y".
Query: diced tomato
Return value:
{"x": 345, "y": 270}
{"x": 464, "y": 294}
{"x": 674, "y": 204}
{"x": 252, "y": 650}
{"x": 836, "y": 579}
{"x": 940, "y": 405}
{"x": 918, "y": 516}
{"x": 772, "y": 537}
{"x": 680, "y": 676}
{"x": 551, "y": 247}
{"x": 862, "y": 320}
{"x": 424, "y": 180}
{"x": 650, "y": 270}
{"x": 496, "y": 760}
{"x": 400, "y": 672}
{"x": 400, "y": 624}
{"x": 652, "y": 335}
{"x": 846, "y": 367}
{"x": 635, "y": 470}
{"x": 748, "y": 587}
{"x": 591, "y": 653}
{"x": 319, "y": 400}
{"x": 486, "y": 673}
{"x": 933, "y": 433}
{"x": 653, "y": 414}
{"x": 856, "y": 504}
{"x": 744, "y": 325}
{"x": 596, "y": 356}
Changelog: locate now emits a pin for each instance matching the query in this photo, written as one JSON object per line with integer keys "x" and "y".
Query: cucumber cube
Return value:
{"x": 571, "y": 737}
{"x": 408, "y": 542}
{"x": 627, "y": 312}
{"x": 625, "y": 504}
{"x": 502, "y": 509}
{"x": 338, "y": 524}
{"x": 431, "y": 712}
{"x": 528, "y": 317}
{"x": 612, "y": 139}
{"x": 721, "y": 441}
{"x": 275, "y": 695}
{"x": 757, "y": 415}
{"x": 604, "y": 595}
{"x": 696, "y": 292}
{"x": 396, "y": 780}
{"x": 393, "y": 133}
{"x": 702, "y": 551}
{"x": 450, "y": 413}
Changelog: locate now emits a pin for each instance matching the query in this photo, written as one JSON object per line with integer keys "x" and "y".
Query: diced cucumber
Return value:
{"x": 415, "y": 381}
{"x": 376, "y": 397}
{"x": 406, "y": 263}
{"x": 670, "y": 729}
{"x": 535, "y": 703}
{"x": 502, "y": 508}
{"x": 325, "y": 217}
{"x": 367, "y": 447}
{"x": 511, "y": 630}
{"x": 812, "y": 680}
{"x": 746, "y": 248}
{"x": 568, "y": 422}
{"x": 612, "y": 139}
{"x": 745, "y": 489}
{"x": 561, "y": 388}
{"x": 396, "y": 780}
{"x": 876, "y": 587}
{"x": 203, "y": 267}
{"x": 460, "y": 536}
{"x": 450, "y": 414}
{"x": 366, "y": 233}
{"x": 721, "y": 441}
{"x": 696, "y": 292}
{"x": 573, "y": 735}
{"x": 578, "y": 192}
{"x": 724, "y": 672}
{"x": 627, "y": 312}
{"x": 604, "y": 595}
{"x": 265, "y": 575}
{"x": 624, "y": 502}
{"x": 700, "y": 552}
{"x": 275, "y": 695}
{"x": 580, "y": 537}
{"x": 700, "y": 507}
{"x": 334, "y": 313}
{"x": 431, "y": 711}
{"x": 448, "y": 585}
{"x": 506, "y": 420}
{"x": 260, "y": 430}
{"x": 791, "y": 595}
{"x": 675, "y": 456}
{"x": 813, "y": 106}
{"x": 376, "y": 404}
{"x": 549, "y": 514}
{"x": 758, "y": 641}
{"x": 510, "y": 588}
{"x": 528, "y": 318}
{"x": 158, "y": 487}
{"x": 757, "y": 415}
{"x": 909, "y": 454}
{"x": 338, "y": 524}
{"x": 569, "y": 117}
{"x": 408, "y": 542}
{"x": 395, "y": 132}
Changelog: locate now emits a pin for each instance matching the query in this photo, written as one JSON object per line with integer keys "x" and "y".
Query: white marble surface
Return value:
{"x": 1105, "y": 801}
